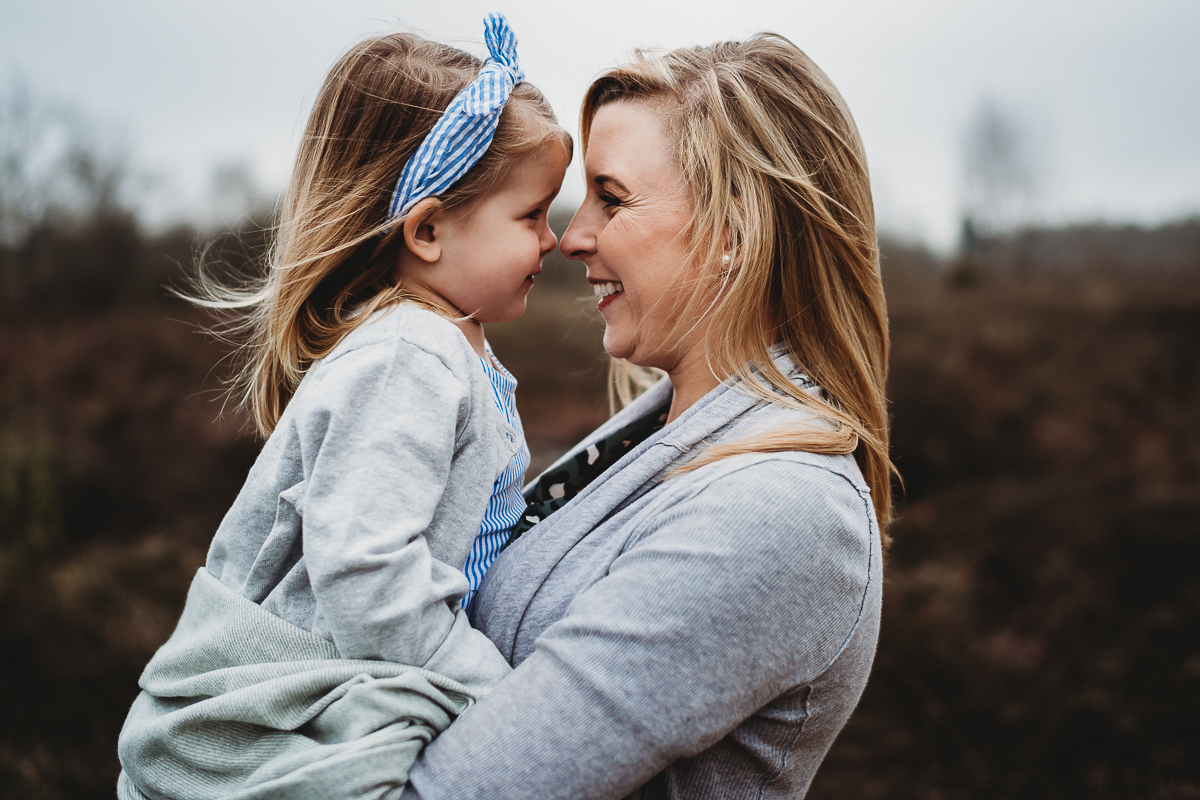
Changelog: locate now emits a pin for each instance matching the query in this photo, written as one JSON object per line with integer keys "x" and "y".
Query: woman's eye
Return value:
{"x": 609, "y": 201}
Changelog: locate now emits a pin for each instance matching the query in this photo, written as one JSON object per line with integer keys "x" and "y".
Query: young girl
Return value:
{"x": 325, "y": 641}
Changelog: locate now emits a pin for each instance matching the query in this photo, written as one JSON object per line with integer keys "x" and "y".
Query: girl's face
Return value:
{"x": 490, "y": 249}
{"x": 631, "y": 232}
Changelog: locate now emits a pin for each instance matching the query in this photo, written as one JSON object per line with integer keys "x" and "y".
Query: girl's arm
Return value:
{"x": 739, "y": 588}
{"x": 379, "y": 431}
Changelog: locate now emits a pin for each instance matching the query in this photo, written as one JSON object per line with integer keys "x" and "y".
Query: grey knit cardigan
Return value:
{"x": 699, "y": 636}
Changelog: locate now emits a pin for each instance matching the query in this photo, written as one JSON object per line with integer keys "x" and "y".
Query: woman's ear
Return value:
{"x": 731, "y": 248}
{"x": 421, "y": 228}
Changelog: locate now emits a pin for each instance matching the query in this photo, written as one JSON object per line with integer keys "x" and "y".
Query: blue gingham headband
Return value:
{"x": 462, "y": 135}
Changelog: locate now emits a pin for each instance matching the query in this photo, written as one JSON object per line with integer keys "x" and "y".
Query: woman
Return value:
{"x": 699, "y": 620}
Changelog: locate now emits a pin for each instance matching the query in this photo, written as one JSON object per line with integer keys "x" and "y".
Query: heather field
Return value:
{"x": 1041, "y": 633}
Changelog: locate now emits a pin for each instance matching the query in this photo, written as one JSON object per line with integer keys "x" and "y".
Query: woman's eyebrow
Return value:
{"x": 600, "y": 180}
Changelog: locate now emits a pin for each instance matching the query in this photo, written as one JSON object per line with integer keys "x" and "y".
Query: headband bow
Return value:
{"x": 463, "y": 134}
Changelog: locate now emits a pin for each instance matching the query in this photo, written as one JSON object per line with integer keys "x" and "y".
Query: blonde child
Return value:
{"x": 325, "y": 641}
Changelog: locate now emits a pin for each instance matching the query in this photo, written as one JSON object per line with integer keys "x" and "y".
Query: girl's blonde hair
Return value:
{"x": 333, "y": 259}
{"x": 779, "y": 181}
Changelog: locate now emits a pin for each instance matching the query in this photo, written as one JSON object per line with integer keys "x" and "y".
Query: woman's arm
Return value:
{"x": 739, "y": 587}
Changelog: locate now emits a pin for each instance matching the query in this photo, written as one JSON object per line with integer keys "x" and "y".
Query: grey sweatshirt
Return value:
{"x": 702, "y": 636}
{"x": 356, "y": 519}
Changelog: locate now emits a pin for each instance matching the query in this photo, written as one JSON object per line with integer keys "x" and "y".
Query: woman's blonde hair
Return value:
{"x": 334, "y": 254}
{"x": 779, "y": 182}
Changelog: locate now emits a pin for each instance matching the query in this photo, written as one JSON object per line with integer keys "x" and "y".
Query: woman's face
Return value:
{"x": 631, "y": 234}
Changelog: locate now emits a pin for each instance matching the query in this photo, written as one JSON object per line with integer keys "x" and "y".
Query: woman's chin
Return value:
{"x": 617, "y": 347}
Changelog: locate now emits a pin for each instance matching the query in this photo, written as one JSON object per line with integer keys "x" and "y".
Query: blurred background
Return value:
{"x": 1037, "y": 176}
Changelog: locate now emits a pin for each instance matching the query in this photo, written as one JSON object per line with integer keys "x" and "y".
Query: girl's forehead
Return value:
{"x": 548, "y": 161}
{"x": 537, "y": 174}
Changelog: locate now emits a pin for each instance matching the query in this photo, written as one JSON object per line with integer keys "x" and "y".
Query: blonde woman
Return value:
{"x": 693, "y": 605}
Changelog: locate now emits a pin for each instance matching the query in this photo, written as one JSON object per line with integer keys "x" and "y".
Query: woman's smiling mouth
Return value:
{"x": 606, "y": 291}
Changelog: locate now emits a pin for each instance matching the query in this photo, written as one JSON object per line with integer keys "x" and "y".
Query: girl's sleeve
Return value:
{"x": 736, "y": 591}
{"x": 377, "y": 435}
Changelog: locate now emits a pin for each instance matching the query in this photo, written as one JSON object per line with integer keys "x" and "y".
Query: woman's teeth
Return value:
{"x": 607, "y": 288}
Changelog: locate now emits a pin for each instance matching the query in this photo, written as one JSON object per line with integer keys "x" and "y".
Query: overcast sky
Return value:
{"x": 1107, "y": 94}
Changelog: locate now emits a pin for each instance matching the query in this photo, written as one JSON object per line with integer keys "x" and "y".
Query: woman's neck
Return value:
{"x": 691, "y": 379}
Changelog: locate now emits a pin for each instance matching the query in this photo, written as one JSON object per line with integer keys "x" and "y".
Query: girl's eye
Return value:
{"x": 535, "y": 214}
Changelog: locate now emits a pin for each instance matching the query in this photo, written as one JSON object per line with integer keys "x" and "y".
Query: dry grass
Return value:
{"x": 1041, "y": 613}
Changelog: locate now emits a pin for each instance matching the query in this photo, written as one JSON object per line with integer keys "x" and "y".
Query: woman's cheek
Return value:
{"x": 620, "y": 238}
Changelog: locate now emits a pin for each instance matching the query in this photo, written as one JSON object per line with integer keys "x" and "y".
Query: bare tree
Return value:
{"x": 52, "y": 166}
{"x": 68, "y": 238}
{"x": 999, "y": 171}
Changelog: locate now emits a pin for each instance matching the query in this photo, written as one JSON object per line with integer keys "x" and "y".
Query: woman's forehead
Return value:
{"x": 628, "y": 140}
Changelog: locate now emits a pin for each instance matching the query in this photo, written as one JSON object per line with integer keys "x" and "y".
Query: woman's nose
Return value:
{"x": 578, "y": 240}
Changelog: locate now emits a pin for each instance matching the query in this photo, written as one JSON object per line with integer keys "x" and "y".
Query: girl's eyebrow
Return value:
{"x": 547, "y": 199}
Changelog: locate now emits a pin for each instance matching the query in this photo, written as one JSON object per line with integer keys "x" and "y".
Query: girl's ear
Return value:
{"x": 422, "y": 225}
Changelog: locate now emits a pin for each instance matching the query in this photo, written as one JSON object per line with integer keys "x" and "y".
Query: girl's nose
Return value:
{"x": 548, "y": 240}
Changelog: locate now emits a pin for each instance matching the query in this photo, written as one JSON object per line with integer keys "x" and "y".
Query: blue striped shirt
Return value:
{"x": 506, "y": 503}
